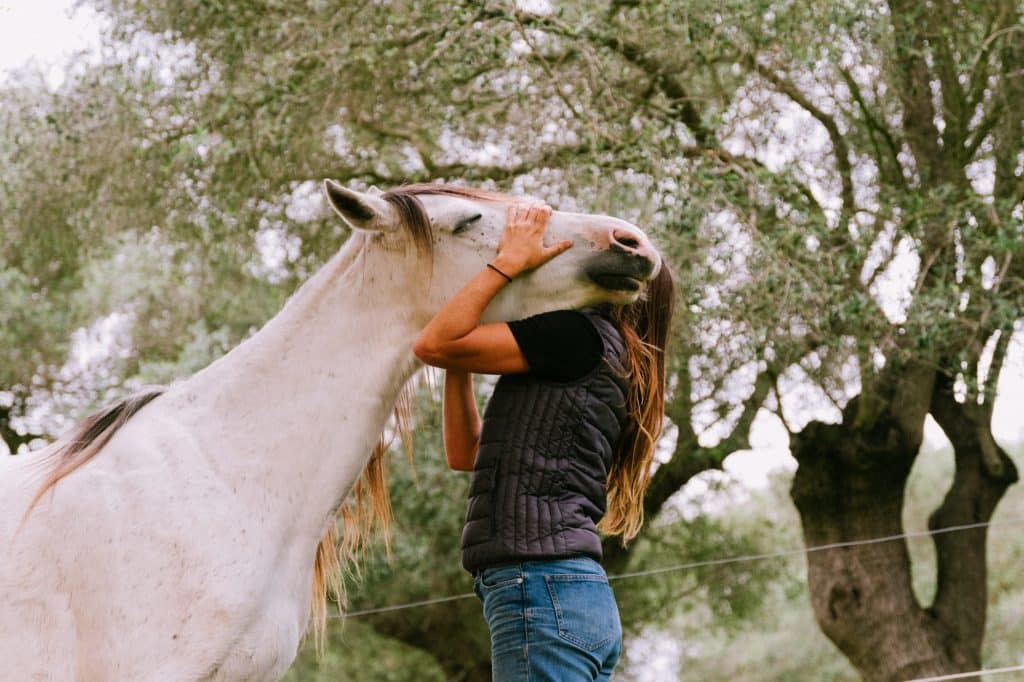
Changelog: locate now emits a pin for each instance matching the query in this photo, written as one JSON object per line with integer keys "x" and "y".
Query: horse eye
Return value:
{"x": 466, "y": 222}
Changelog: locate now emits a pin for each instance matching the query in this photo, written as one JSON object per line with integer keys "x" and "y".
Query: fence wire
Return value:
{"x": 744, "y": 558}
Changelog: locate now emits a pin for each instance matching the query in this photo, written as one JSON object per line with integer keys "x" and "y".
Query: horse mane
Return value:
{"x": 365, "y": 510}
{"x": 420, "y": 188}
{"x": 404, "y": 199}
{"x": 367, "y": 506}
{"x": 89, "y": 436}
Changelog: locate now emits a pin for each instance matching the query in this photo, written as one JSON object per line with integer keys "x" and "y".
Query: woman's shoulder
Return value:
{"x": 562, "y": 345}
{"x": 600, "y": 317}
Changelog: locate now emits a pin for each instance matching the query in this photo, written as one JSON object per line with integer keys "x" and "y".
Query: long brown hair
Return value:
{"x": 645, "y": 326}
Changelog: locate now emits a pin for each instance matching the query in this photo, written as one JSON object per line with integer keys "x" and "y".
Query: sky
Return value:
{"x": 48, "y": 32}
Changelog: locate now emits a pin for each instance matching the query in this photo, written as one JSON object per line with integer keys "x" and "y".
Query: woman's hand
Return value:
{"x": 454, "y": 339}
{"x": 522, "y": 243}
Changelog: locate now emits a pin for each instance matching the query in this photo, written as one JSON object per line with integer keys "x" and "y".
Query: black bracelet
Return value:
{"x": 499, "y": 272}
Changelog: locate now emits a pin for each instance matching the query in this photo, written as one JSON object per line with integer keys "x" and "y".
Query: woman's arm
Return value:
{"x": 456, "y": 341}
{"x": 461, "y": 420}
{"x": 454, "y": 338}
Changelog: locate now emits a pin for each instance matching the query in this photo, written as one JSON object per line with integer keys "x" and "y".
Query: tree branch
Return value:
{"x": 660, "y": 72}
{"x": 909, "y": 24}
{"x": 875, "y": 125}
{"x": 839, "y": 146}
{"x": 433, "y": 170}
{"x": 995, "y": 368}
{"x": 955, "y": 112}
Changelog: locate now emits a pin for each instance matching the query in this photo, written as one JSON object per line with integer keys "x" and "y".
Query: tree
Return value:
{"x": 793, "y": 158}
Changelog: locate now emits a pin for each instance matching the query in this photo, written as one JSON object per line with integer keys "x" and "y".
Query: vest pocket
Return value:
{"x": 585, "y": 609}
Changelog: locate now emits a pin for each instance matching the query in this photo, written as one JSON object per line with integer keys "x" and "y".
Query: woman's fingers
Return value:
{"x": 537, "y": 216}
{"x": 523, "y": 238}
{"x": 528, "y": 215}
{"x": 560, "y": 247}
{"x": 540, "y": 215}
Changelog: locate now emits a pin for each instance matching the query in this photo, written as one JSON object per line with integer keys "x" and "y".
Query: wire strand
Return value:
{"x": 399, "y": 607}
{"x": 815, "y": 548}
{"x": 973, "y": 673}
{"x": 744, "y": 558}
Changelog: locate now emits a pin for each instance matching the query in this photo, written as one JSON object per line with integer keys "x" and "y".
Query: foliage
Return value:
{"x": 356, "y": 652}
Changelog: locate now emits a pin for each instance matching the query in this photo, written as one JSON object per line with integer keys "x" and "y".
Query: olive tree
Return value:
{"x": 838, "y": 186}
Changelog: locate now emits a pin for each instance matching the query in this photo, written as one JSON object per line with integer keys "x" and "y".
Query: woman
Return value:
{"x": 568, "y": 433}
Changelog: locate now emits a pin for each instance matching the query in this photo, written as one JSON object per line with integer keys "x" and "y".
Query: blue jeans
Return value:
{"x": 550, "y": 620}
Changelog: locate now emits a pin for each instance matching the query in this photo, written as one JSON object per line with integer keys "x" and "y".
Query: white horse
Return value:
{"x": 176, "y": 532}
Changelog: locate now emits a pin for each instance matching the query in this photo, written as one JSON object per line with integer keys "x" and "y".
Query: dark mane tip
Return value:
{"x": 104, "y": 423}
{"x": 89, "y": 436}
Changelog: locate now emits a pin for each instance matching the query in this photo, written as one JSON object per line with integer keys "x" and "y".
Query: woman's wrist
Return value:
{"x": 505, "y": 267}
{"x": 492, "y": 267}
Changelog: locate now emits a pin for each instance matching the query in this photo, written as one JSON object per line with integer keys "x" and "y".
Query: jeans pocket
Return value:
{"x": 501, "y": 592}
{"x": 585, "y": 609}
{"x": 502, "y": 576}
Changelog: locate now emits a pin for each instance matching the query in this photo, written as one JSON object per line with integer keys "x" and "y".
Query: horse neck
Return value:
{"x": 290, "y": 417}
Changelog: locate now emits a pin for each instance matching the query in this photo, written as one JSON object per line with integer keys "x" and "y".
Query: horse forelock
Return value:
{"x": 414, "y": 217}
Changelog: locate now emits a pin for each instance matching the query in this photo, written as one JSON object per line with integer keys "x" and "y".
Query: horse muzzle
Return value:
{"x": 619, "y": 269}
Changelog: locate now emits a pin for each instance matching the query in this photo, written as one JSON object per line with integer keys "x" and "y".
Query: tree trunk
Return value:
{"x": 849, "y": 486}
{"x": 983, "y": 473}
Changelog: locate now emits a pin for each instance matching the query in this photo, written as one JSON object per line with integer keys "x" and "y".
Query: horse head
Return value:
{"x": 445, "y": 234}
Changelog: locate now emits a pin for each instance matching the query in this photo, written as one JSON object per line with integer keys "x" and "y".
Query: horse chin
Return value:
{"x": 617, "y": 282}
{"x": 616, "y": 297}
{"x": 619, "y": 273}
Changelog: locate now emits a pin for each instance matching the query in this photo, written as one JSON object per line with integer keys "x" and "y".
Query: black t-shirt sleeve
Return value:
{"x": 562, "y": 345}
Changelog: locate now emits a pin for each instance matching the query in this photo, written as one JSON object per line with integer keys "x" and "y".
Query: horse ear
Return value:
{"x": 361, "y": 211}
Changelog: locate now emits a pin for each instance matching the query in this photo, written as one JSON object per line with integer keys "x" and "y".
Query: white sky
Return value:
{"x": 46, "y": 31}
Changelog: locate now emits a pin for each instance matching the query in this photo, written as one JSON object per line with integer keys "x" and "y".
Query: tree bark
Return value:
{"x": 849, "y": 486}
{"x": 983, "y": 473}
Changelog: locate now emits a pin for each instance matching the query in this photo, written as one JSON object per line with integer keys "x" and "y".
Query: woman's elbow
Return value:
{"x": 462, "y": 461}
{"x": 426, "y": 351}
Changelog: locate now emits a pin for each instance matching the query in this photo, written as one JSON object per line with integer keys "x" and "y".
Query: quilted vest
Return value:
{"x": 538, "y": 486}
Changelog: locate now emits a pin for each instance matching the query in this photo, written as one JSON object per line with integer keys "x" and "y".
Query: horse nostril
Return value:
{"x": 625, "y": 239}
